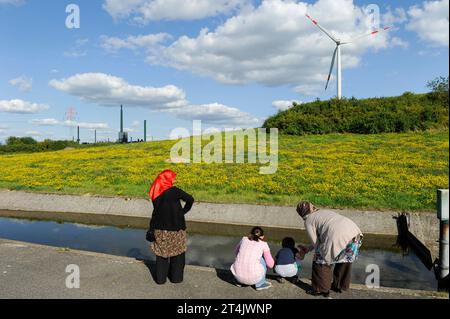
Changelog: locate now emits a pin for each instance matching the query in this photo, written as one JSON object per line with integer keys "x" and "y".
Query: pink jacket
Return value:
{"x": 247, "y": 267}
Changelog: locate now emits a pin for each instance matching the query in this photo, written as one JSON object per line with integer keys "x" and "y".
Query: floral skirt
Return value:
{"x": 169, "y": 243}
{"x": 348, "y": 255}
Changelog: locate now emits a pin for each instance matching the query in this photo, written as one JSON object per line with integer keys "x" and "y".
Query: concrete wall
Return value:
{"x": 424, "y": 225}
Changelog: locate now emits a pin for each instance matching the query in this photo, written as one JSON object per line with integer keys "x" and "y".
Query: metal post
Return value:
{"x": 145, "y": 130}
{"x": 121, "y": 119}
{"x": 443, "y": 270}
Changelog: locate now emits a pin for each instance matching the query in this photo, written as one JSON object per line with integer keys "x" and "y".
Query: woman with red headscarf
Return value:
{"x": 169, "y": 227}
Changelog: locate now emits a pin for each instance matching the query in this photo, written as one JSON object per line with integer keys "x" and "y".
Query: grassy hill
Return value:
{"x": 399, "y": 114}
{"x": 382, "y": 171}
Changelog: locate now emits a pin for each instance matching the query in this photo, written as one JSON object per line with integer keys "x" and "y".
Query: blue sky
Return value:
{"x": 155, "y": 59}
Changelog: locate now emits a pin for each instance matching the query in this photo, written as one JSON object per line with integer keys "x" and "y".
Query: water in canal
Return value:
{"x": 396, "y": 270}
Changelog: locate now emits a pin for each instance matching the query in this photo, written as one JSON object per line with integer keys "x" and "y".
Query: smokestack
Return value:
{"x": 145, "y": 130}
{"x": 123, "y": 136}
{"x": 95, "y": 136}
{"x": 121, "y": 119}
{"x": 78, "y": 134}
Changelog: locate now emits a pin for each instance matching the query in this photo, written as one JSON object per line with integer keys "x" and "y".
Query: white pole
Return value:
{"x": 339, "y": 73}
{"x": 443, "y": 202}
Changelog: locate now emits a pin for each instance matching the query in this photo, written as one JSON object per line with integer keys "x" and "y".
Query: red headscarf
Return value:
{"x": 163, "y": 182}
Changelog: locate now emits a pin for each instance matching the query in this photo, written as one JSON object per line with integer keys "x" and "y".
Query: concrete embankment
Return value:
{"x": 35, "y": 271}
{"x": 424, "y": 225}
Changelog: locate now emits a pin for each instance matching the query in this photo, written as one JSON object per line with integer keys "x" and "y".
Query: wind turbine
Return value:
{"x": 337, "y": 53}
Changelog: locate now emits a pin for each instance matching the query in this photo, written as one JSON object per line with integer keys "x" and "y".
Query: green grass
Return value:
{"x": 383, "y": 171}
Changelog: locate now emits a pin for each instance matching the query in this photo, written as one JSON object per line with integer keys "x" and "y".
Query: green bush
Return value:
{"x": 12, "y": 140}
{"x": 408, "y": 112}
{"x": 29, "y": 145}
{"x": 439, "y": 89}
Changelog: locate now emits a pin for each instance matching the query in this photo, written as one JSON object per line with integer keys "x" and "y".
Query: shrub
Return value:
{"x": 29, "y": 145}
{"x": 408, "y": 112}
{"x": 12, "y": 140}
{"x": 439, "y": 89}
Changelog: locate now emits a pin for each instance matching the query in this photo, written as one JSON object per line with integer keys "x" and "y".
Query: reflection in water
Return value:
{"x": 212, "y": 251}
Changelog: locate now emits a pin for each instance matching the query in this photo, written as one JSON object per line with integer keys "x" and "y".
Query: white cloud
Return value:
{"x": 394, "y": 16}
{"x": 430, "y": 53}
{"x": 216, "y": 113}
{"x": 122, "y": 9}
{"x": 430, "y": 21}
{"x": 108, "y": 90}
{"x": 282, "y": 105}
{"x": 149, "y": 41}
{"x": 78, "y": 49}
{"x": 37, "y": 135}
{"x": 275, "y": 44}
{"x": 13, "y": 2}
{"x": 105, "y": 132}
{"x": 92, "y": 126}
{"x": 310, "y": 89}
{"x": 23, "y": 82}
{"x": 397, "y": 42}
{"x": 33, "y": 133}
{"x": 144, "y": 11}
{"x": 54, "y": 122}
{"x": 45, "y": 122}
{"x": 20, "y": 106}
{"x": 75, "y": 54}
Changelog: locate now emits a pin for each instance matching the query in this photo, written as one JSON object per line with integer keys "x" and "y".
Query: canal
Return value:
{"x": 205, "y": 248}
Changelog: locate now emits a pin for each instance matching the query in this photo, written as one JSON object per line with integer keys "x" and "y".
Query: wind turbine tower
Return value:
{"x": 337, "y": 53}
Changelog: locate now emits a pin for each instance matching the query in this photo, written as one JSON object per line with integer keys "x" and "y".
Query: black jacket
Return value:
{"x": 168, "y": 214}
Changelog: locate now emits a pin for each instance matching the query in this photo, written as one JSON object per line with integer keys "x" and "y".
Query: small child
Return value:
{"x": 287, "y": 260}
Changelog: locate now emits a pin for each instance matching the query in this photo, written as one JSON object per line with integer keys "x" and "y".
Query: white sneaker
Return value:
{"x": 266, "y": 285}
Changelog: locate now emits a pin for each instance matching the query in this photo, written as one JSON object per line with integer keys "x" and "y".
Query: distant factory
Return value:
{"x": 123, "y": 136}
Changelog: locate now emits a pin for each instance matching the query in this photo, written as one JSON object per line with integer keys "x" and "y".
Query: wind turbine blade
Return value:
{"x": 331, "y": 68}
{"x": 322, "y": 28}
{"x": 373, "y": 33}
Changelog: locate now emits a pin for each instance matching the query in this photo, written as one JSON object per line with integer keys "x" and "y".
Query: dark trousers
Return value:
{"x": 172, "y": 268}
{"x": 342, "y": 276}
{"x": 322, "y": 275}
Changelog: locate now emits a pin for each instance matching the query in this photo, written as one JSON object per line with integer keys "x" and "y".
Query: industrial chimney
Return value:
{"x": 121, "y": 119}
{"x": 123, "y": 136}
{"x": 145, "y": 130}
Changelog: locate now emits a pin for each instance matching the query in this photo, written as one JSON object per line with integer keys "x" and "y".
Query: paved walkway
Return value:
{"x": 35, "y": 271}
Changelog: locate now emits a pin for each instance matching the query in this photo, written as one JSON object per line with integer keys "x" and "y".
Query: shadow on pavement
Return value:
{"x": 151, "y": 266}
{"x": 227, "y": 276}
